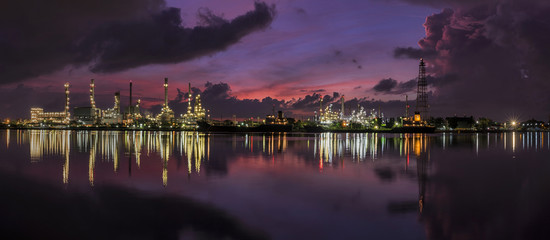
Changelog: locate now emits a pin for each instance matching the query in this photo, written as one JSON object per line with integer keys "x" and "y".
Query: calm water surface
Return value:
{"x": 185, "y": 185}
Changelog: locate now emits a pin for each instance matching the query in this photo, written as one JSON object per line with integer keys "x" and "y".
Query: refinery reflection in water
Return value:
{"x": 436, "y": 186}
{"x": 194, "y": 147}
{"x": 110, "y": 146}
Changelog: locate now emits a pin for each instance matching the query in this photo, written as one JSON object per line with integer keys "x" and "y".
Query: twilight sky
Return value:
{"x": 485, "y": 58}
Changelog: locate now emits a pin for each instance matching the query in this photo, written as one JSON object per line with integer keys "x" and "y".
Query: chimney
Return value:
{"x": 165, "y": 92}
{"x": 130, "y": 107}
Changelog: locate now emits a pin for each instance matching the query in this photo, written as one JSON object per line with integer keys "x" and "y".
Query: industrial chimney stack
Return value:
{"x": 165, "y": 92}
{"x": 130, "y": 107}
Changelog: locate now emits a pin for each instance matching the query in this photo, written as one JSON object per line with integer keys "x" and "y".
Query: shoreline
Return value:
{"x": 251, "y": 130}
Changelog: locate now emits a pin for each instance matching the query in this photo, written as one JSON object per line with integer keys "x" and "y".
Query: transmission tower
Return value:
{"x": 421, "y": 94}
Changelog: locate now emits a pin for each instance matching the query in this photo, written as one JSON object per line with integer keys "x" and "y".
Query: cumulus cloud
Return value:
{"x": 385, "y": 85}
{"x": 38, "y": 37}
{"x": 488, "y": 57}
{"x": 391, "y": 86}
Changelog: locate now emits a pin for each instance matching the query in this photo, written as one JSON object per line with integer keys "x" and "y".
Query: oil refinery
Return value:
{"x": 197, "y": 117}
{"x": 87, "y": 116}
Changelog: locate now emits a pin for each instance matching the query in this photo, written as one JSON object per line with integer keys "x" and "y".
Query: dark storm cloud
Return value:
{"x": 310, "y": 103}
{"x": 414, "y": 53}
{"x": 39, "y": 37}
{"x": 314, "y": 91}
{"x": 162, "y": 39}
{"x": 307, "y": 102}
{"x": 391, "y": 86}
{"x": 488, "y": 58}
{"x": 443, "y": 3}
{"x": 385, "y": 85}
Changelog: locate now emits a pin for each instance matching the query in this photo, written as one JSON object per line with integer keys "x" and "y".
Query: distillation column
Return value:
{"x": 67, "y": 114}
{"x": 92, "y": 94}
{"x": 117, "y": 103}
{"x": 189, "y": 108}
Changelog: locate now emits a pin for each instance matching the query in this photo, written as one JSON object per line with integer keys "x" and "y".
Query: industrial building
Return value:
{"x": 326, "y": 115}
{"x": 112, "y": 115}
{"x": 92, "y": 115}
{"x": 39, "y": 116}
{"x": 194, "y": 113}
{"x": 278, "y": 120}
{"x": 88, "y": 115}
{"x": 85, "y": 115}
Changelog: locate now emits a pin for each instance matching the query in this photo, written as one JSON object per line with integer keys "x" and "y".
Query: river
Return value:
{"x": 186, "y": 185}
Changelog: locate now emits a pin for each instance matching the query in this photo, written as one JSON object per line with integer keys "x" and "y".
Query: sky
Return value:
{"x": 484, "y": 58}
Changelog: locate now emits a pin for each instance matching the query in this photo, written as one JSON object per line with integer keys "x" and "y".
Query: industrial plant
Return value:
{"x": 196, "y": 117}
{"x": 87, "y": 116}
{"x": 373, "y": 119}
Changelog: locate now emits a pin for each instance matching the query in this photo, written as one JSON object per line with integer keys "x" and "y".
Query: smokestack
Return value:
{"x": 342, "y": 109}
{"x": 92, "y": 93}
{"x": 130, "y": 107}
{"x": 165, "y": 92}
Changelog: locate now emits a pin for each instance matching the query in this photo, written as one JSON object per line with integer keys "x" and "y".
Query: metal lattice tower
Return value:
{"x": 421, "y": 93}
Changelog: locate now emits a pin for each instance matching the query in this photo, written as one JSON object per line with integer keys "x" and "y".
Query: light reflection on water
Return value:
{"x": 410, "y": 176}
{"x": 109, "y": 146}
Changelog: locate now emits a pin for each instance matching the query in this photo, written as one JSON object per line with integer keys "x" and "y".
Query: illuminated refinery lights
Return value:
{"x": 112, "y": 115}
{"x": 166, "y": 114}
{"x": 92, "y": 93}
{"x": 38, "y": 115}
{"x": 92, "y": 115}
{"x": 195, "y": 113}
{"x": 67, "y": 113}
{"x": 189, "y": 100}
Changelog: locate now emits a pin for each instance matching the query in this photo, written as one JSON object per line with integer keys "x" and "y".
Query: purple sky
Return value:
{"x": 485, "y": 58}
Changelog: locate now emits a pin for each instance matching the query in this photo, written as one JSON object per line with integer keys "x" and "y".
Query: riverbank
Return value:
{"x": 260, "y": 129}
